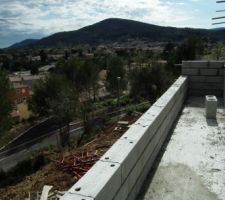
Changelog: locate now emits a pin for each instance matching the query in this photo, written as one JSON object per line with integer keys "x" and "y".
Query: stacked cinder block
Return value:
{"x": 204, "y": 77}
{"x": 121, "y": 171}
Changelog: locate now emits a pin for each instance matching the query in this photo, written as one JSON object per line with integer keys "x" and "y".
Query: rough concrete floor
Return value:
{"x": 192, "y": 166}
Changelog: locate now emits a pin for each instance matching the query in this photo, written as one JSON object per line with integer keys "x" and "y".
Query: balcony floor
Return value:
{"x": 192, "y": 166}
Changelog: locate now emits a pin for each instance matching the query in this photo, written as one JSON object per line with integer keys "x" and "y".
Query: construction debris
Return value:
{"x": 78, "y": 165}
{"x": 68, "y": 168}
{"x": 45, "y": 192}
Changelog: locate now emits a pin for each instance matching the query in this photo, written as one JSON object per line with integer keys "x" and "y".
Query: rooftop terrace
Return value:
{"x": 192, "y": 166}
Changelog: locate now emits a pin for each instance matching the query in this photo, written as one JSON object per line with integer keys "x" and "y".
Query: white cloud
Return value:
{"x": 50, "y": 16}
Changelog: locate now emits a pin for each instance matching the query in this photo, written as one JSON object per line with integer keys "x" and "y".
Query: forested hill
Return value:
{"x": 111, "y": 30}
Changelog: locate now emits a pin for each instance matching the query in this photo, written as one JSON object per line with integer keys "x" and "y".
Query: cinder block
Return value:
{"x": 195, "y": 64}
{"x": 186, "y": 64}
{"x": 181, "y": 80}
{"x": 206, "y": 86}
{"x": 161, "y": 133}
{"x": 190, "y": 71}
{"x": 208, "y": 72}
{"x": 221, "y": 72}
{"x": 216, "y": 64}
{"x": 200, "y": 64}
{"x": 101, "y": 182}
{"x": 210, "y": 106}
{"x": 125, "y": 152}
{"x": 206, "y": 79}
{"x": 138, "y": 167}
{"x": 202, "y": 93}
{"x": 145, "y": 170}
{"x": 71, "y": 196}
{"x": 135, "y": 132}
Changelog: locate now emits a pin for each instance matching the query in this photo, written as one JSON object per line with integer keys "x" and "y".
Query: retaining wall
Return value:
{"x": 204, "y": 77}
{"x": 121, "y": 171}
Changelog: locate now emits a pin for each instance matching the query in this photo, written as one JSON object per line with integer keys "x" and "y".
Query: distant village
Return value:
{"x": 28, "y": 66}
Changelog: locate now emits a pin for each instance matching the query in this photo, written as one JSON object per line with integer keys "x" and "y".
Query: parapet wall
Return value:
{"x": 204, "y": 77}
{"x": 121, "y": 171}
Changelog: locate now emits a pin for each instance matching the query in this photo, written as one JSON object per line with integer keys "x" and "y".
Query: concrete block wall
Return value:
{"x": 121, "y": 171}
{"x": 204, "y": 77}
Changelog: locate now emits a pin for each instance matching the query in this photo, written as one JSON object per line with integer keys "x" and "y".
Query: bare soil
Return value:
{"x": 52, "y": 174}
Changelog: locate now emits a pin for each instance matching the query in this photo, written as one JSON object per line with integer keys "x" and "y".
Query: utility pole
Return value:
{"x": 118, "y": 92}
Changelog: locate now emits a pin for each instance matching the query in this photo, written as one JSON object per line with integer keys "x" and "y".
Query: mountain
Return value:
{"x": 23, "y": 44}
{"x": 111, "y": 30}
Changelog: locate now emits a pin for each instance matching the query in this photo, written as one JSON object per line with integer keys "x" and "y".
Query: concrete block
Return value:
{"x": 216, "y": 64}
{"x": 162, "y": 132}
{"x": 200, "y": 64}
{"x": 186, "y": 64}
{"x": 145, "y": 170}
{"x": 71, "y": 196}
{"x": 101, "y": 182}
{"x": 195, "y": 64}
{"x": 157, "y": 115}
{"x": 221, "y": 72}
{"x": 210, "y": 106}
{"x": 206, "y": 79}
{"x": 138, "y": 168}
{"x": 206, "y": 86}
{"x": 203, "y": 92}
{"x": 181, "y": 80}
{"x": 125, "y": 152}
{"x": 163, "y": 129}
{"x": 208, "y": 72}
{"x": 190, "y": 71}
{"x": 135, "y": 132}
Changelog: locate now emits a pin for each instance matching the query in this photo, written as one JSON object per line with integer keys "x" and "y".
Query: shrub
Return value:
{"x": 22, "y": 169}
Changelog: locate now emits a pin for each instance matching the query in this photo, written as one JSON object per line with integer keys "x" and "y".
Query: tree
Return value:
{"x": 34, "y": 70}
{"x": 149, "y": 82}
{"x": 5, "y": 103}
{"x": 83, "y": 76}
{"x": 43, "y": 56}
{"x": 64, "y": 108}
{"x": 55, "y": 97}
{"x": 218, "y": 51}
{"x": 71, "y": 69}
{"x": 190, "y": 49}
{"x": 168, "y": 50}
{"x": 116, "y": 72}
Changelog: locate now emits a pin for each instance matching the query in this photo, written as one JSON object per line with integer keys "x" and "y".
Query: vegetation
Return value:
{"x": 217, "y": 52}
{"x": 149, "y": 82}
{"x": 118, "y": 29}
{"x": 116, "y": 75}
{"x": 5, "y": 103}
{"x": 22, "y": 169}
{"x": 55, "y": 97}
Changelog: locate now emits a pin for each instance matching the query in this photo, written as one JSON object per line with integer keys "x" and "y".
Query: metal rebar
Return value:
{"x": 218, "y": 23}
{"x": 220, "y": 11}
{"x": 218, "y": 17}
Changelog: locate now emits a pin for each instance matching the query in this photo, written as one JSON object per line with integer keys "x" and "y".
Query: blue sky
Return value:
{"x": 22, "y": 19}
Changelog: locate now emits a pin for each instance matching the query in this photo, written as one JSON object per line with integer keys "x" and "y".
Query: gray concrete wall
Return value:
{"x": 204, "y": 77}
{"x": 121, "y": 171}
